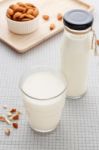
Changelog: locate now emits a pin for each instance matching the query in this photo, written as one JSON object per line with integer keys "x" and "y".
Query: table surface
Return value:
{"x": 79, "y": 127}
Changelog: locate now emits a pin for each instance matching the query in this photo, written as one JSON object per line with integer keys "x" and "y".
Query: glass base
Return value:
{"x": 44, "y": 131}
{"x": 77, "y": 97}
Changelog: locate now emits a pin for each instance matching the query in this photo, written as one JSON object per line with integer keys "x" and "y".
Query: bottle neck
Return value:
{"x": 78, "y": 32}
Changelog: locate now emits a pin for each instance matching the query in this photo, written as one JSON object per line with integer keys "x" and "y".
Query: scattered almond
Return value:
{"x": 7, "y": 121}
{"x": 9, "y": 118}
{"x": 2, "y": 118}
{"x": 59, "y": 17}
{"x": 18, "y": 113}
{"x": 13, "y": 110}
{"x": 7, "y": 131}
{"x": 97, "y": 42}
{"x": 45, "y": 17}
{"x": 15, "y": 117}
{"x": 9, "y": 114}
{"x": 52, "y": 26}
{"x": 15, "y": 125}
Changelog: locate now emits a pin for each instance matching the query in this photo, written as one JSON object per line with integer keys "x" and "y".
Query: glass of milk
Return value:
{"x": 76, "y": 49}
{"x": 44, "y": 94}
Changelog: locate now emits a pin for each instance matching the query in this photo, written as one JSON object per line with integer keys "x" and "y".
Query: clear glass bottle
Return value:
{"x": 75, "y": 49}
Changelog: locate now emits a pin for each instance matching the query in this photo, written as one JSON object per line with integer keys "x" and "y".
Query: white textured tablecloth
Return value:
{"x": 79, "y": 127}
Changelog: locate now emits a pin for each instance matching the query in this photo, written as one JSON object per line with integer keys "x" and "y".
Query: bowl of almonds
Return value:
{"x": 22, "y": 18}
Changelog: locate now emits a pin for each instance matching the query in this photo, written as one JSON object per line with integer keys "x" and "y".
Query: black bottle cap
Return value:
{"x": 78, "y": 19}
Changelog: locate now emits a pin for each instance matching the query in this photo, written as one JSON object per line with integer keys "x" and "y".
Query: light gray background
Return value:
{"x": 79, "y": 128}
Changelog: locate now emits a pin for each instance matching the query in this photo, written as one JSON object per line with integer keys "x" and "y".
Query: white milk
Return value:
{"x": 76, "y": 46}
{"x": 47, "y": 98}
{"x": 75, "y": 59}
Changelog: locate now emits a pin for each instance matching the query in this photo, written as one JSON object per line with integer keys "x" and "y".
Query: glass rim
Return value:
{"x": 38, "y": 69}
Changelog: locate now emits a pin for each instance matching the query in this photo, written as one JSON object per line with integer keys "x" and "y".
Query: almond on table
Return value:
{"x": 15, "y": 125}
{"x": 7, "y": 131}
{"x": 7, "y": 121}
{"x": 52, "y": 26}
{"x": 45, "y": 17}
{"x": 13, "y": 110}
{"x": 15, "y": 117}
{"x": 9, "y": 114}
{"x": 9, "y": 117}
{"x": 97, "y": 42}
{"x": 2, "y": 119}
{"x": 59, "y": 16}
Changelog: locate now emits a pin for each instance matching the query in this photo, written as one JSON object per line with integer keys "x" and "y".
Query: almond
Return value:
{"x": 10, "y": 12}
{"x": 11, "y": 6}
{"x": 18, "y": 113}
{"x": 21, "y": 4}
{"x": 22, "y": 16}
{"x": 7, "y": 121}
{"x": 14, "y": 7}
{"x": 45, "y": 17}
{"x": 8, "y": 16}
{"x": 29, "y": 16}
{"x": 20, "y": 9}
{"x": 2, "y": 118}
{"x": 31, "y": 5}
{"x": 15, "y": 117}
{"x": 35, "y": 12}
{"x": 9, "y": 114}
{"x": 7, "y": 132}
{"x": 17, "y": 15}
{"x": 52, "y": 26}
{"x": 59, "y": 17}
{"x": 15, "y": 125}
{"x": 97, "y": 42}
{"x": 30, "y": 11}
{"x": 13, "y": 110}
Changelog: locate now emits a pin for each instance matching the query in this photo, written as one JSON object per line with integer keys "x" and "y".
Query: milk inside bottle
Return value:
{"x": 75, "y": 50}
